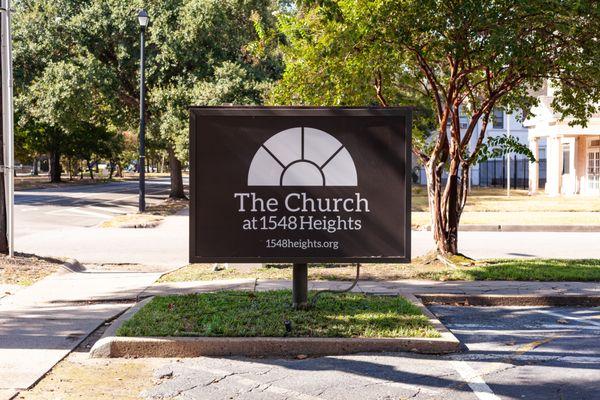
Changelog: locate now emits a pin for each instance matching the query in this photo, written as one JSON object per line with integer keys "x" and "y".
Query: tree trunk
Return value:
{"x": 119, "y": 173}
{"x": 111, "y": 169}
{"x": 444, "y": 217}
{"x": 35, "y": 169}
{"x": 176, "y": 176}
{"x": 91, "y": 170}
{"x": 55, "y": 167}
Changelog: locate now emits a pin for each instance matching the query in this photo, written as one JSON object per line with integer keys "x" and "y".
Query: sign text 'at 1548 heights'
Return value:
{"x": 271, "y": 184}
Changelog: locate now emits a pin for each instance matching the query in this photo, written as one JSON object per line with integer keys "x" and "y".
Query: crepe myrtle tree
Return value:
{"x": 454, "y": 58}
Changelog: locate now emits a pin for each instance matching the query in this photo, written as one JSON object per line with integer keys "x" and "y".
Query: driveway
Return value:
{"x": 514, "y": 353}
{"x": 63, "y": 222}
{"x": 80, "y": 205}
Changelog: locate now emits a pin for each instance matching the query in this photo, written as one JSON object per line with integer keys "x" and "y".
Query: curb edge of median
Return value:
{"x": 491, "y": 300}
{"x": 111, "y": 346}
{"x": 72, "y": 265}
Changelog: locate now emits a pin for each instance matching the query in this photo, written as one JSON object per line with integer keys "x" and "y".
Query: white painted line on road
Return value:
{"x": 82, "y": 210}
{"x": 533, "y": 332}
{"x": 61, "y": 196}
{"x": 475, "y": 381}
{"x": 563, "y": 316}
{"x": 81, "y": 197}
{"x": 573, "y": 327}
{"x": 528, "y": 357}
{"x": 129, "y": 196}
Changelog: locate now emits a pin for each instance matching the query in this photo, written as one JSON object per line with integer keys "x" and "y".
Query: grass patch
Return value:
{"x": 491, "y": 206}
{"x": 254, "y": 314}
{"x": 41, "y": 182}
{"x": 523, "y": 270}
{"x": 495, "y": 200}
{"x": 420, "y": 218}
{"x": 512, "y": 269}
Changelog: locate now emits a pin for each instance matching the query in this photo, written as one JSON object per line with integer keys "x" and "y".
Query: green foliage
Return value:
{"x": 231, "y": 84}
{"x": 452, "y": 59}
{"x": 77, "y": 66}
{"x": 231, "y": 313}
{"x": 501, "y": 145}
{"x": 200, "y": 53}
{"x": 335, "y": 50}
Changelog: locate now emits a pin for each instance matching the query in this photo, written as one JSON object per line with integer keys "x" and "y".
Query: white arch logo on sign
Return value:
{"x": 302, "y": 156}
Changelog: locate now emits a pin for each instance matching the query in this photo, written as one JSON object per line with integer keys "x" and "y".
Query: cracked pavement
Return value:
{"x": 514, "y": 353}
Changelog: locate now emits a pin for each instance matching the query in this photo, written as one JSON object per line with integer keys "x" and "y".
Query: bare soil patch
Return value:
{"x": 26, "y": 269}
{"x": 153, "y": 216}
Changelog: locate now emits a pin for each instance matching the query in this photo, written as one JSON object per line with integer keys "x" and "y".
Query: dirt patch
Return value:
{"x": 26, "y": 269}
{"x": 194, "y": 272}
{"x": 79, "y": 377}
{"x": 133, "y": 221}
{"x": 125, "y": 268}
{"x": 558, "y": 270}
{"x": 152, "y": 217}
{"x": 167, "y": 207}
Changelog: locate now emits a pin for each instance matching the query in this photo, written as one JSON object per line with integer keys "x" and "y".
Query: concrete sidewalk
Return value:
{"x": 41, "y": 324}
{"x": 389, "y": 287}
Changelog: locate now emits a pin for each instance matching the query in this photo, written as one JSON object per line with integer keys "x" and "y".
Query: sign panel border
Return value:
{"x": 197, "y": 112}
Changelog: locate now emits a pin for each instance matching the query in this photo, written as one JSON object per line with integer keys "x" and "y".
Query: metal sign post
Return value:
{"x": 299, "y": 185}
{"x": 7, "y": 120}
{"x": 508, "y": 156}
{"x": 300, "y": 286}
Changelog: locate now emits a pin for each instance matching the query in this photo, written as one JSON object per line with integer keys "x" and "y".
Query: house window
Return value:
{"x": 498, "y": 119}
{"x": 566, "y": 159}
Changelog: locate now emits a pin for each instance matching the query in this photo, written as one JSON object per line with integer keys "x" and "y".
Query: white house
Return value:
{"x": 573, "y": 153}
{"x": 493, "y": 172}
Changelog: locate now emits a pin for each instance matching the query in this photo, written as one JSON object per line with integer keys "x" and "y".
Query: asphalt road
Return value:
{"x": 514, "y": 353}
{"x": 52, "y": 220}
{"x": 81, "y": 206}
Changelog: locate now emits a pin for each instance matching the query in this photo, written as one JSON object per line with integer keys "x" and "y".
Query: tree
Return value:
{"x": 62, "y": 100}
{"x": 199, "y": 55}
{"x": 451, "y": 57}
{"x": 231, "y": 84}
{"x": 94, "y": 45}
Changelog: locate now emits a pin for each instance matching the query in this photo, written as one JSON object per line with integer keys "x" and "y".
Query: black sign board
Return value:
{"x": 298, "y": 185}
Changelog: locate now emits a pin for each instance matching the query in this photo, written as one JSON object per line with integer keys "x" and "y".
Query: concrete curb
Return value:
{"x": 72, "y": 265}
{"x": 264, "y": 346}
{"x": 523, "y": 228}
{"x": 511, "y": 300}
{"x": 113, "y": 346}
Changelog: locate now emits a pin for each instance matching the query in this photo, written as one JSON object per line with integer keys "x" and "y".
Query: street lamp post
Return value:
{"x": 7, "y": 120}
{"x": 143, "y": 20}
